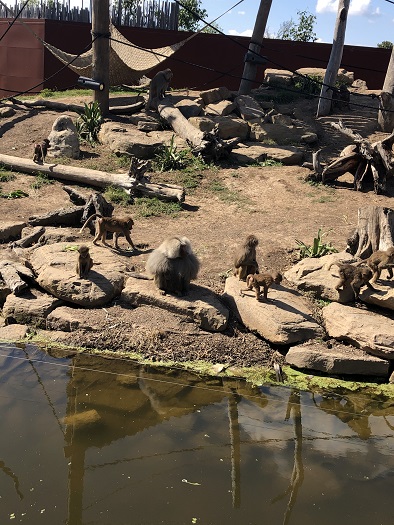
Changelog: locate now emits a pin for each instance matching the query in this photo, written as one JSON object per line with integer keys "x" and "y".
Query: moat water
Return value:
{"x": 93, "y": 441}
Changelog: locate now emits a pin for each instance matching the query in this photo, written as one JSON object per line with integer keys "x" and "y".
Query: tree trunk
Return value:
{"x": 100, "y": 48}
{"x": 375, "y": 231}
{"x": 330, "y": 77}
{"x": 95, "y": 178}
{"x": 385, "y": 118}
{"x": 249, "y": 73}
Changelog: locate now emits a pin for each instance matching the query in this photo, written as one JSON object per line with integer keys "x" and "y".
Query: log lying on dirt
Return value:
{"x": 208, "y": 145}
{"x": 375, "y": 231}
{"x": 95, "y": 178}
{"x": 365, "y": 161}
{"x": 10, "y": 272}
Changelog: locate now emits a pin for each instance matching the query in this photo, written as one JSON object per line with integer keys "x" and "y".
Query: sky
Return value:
{"x": 369, "y": 21}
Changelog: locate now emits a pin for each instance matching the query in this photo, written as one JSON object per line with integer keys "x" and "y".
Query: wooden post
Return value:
{"x": 386, "y": 118}
{"x": 100, "y": 47}
{"x": 330, "y": 77}
{"x": 249, "y": 73}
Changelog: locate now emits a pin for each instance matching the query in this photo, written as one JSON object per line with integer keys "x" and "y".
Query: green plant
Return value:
{"x": 269, "y": 163}
{"x": 170, "y": 158}
{"x": 16, "y": 194}
{"x": 117, "y": 195}
{"x": 153, "y": 207}
{"x": 318, "y": 247}
{"x": 309, "y": 84}
{"x": 41, "y": 180}
{"x": 89, "y": 122}
{"x": 6, "y": 176}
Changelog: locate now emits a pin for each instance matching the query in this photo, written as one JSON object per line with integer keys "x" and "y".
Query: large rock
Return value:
{"x": 343, "y": 76}
{"x": 252, "y": 152}
{"x": 220, "y": 109}
{"x": 367, "y": 330}
{"x": 201, "y": 304}
{"x": 55, "y": 266}
{"x": 9, "y": 231}
{"x": 205, "y": 124}
{"x": 14, "y": 332}
{"x": 248, "y": 107}
{"x": 31, "y": 307}
{"x": 189, "y": 107}
{"x": 231, "y": 127}
{"x": 125, "y": 139}
{"x": 285, "y": 319}
{"x": 312, "y": 275}
{"x": 336, "y": 359}
{"x": 213, "y": 95}
{"x": 278, "y": 77}
{"x": 67, "y": 319}
{"x": 382, "y": 296}
{"x": 63, "y": 139}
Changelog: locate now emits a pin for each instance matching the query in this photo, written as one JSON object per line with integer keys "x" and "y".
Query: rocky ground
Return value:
{"x": 223, "y": 204}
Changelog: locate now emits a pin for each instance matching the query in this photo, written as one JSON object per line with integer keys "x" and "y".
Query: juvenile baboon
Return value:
{"x": 245, "y": 262}
{"x": 158, "y": 87}
{"x": 340, "y": 98}
{"x": 84, "y": 261}
{"x": 355, "y": 276}
{"x": 40, "y": 150}
{"x": 115, "y": 225}
{"x": 381, "y": 260}
{"x": 173, "y": 265}
{"x": 256, "y": 280}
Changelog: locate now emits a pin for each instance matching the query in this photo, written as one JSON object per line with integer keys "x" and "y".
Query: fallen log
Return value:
{"x": 10, "y": 271}
{"x": 95, "y": 178}
{"x": 30, "y": 239}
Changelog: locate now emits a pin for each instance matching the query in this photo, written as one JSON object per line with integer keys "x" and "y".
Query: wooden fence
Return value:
{"x": 155, "y": 14}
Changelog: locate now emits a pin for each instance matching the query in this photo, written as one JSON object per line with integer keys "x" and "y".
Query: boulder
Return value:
{"x": 220, "y": 109}
{"x": 285, "y": 319}
{"x": 146, "y": 126}
{"x": 55, "y": 265}
{"x": 283, "y": 120}
{"x": 13, "y": 332}
{"x": 280, "y": 133}
{"x": 205, "y": 124}
{"x": 278, "y": 77}
{"x": 67, "y": 319}
{"x": 343, "y": 76}
{"x": 336, "y": 359}
{"x": 248, "y": 107}
{"x": 9, "y": 231}
{"x": 231, "y": 127}
{"x": 382, "y": 296}
{"x": 210, "y": 96}
{"x": 201, "y": 304}
{"x": 367, "y": 330}
{"x": 31, "y": 307}
{"x": 251, "y": 152}
{"x": 7, "y": 112}
{"x": 189, "y": 108}
{"x": 312, "y": 275}
{"x": 63, "y": 139}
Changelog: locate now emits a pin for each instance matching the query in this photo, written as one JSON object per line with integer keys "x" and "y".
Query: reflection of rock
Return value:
{"x": 338, "y": 359}
{"x": 83, "y": 419}
{"x": 201, "y": 304}
{"x": 285, "y": 319}
{"x": 367, "y": 330}
{"x": 55, "y": 270}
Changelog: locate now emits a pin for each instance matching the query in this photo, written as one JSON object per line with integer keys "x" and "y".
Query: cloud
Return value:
{"x": 234, "y": 32}
{"x": 241, "y": 13}
{"x": 357, "y": 7}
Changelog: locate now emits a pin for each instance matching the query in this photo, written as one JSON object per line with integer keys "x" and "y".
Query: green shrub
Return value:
{"x": 88, "y": 124}
{"x": 317, "y": 249}
{"x": 170, "y": 157}
{"x": 41, "y": 180}
{"x": 154, "y": 207}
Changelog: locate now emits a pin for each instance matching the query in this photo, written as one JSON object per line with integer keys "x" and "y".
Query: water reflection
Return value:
{"x": 88, "y": 440}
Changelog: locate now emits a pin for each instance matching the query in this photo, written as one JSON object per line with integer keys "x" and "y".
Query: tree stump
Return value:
{"x": 375, "y": 231}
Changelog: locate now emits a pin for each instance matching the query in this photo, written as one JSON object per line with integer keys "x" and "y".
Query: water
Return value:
{"x": 174, "y": 449}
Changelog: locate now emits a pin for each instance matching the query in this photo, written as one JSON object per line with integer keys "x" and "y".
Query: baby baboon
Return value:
{"x": 245, "y": 258}
{"x": 158, "y": 87}
{"x": 353, "y": 275}
{"x": 115, "y": 225}
{"x": 40, "y": 151}
{"x": 84, "y": 262}
{"x": 255, "y": 281}
{"x": 173, "y": 265}
{"x": 381, "y": 260}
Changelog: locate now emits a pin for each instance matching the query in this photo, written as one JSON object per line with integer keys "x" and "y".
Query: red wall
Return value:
{"x": 24, "y": 62}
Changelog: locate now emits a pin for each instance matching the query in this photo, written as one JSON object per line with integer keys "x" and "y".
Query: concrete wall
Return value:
{"x": 204, "y": 62}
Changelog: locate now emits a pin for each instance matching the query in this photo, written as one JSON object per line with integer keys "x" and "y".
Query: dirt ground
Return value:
{"x": 274, "y": 203}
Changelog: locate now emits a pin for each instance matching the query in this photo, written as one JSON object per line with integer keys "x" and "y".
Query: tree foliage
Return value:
{"x": 386, "y": 44}
{"x": 187, "y": 20}
{"x": 301, "y": 31}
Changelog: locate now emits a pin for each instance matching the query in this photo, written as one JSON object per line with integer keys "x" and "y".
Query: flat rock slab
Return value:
{"x": 201, "y": 304}
{"x": 288, "y": 155}
{"x": 10, "y": 231}
{"x": 367, "y": 330}
{"x": 55, "y": 267}
{"x": 31, "y": 307}
{"x": 339, "y": 359}
{"x": 68, "y": 319}
{"x": 286, "y": 319}
{"x": 383, "y": 295}
{"x": 312, "y": 275}
{"x": 13, "y": 332}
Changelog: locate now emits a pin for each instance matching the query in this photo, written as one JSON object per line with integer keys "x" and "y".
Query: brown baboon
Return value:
{"x": 255, "y": 281}
{"x": 245, "y": 262}
{"x": 353, "y": 275}
{"x": 381, "y": 260}
{"x": 115, "y": 225}
{"x": 158, "y": 87}
{"x": 84, "y": 262}
{"x": 173, "y": 265}
{"x": 40, "y": 151}
{"x": 340, "y": 98}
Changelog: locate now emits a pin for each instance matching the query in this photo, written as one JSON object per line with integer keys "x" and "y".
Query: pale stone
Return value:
{"x": 252, "y": 152}
{"x": 283, "y": 120}
{"x": 211, "y": 96}
{"x": 55, "y": 267}
{"x": 285, "y": 319}
{"x": 382, "y": 296}
{"x": 367, "y": 330}
{"x": 205, "y": 124}
{"x": 67, "y": 319}
{"x": 221, "y": 109}
{"x": 201, "y": 304}
{"x": 229, "y": 127}
{"x": 31, "y": 307}
{"x": 9, "y": 231}
{"x": 336, "y": 359}
{"x": 278, "y": 77}
{"x": 63, "y": 139}
{"x": 146, "y": 126}
{"x": 82, "y": 420}
{"x": 14, "y": 332}
{"x": 189, "y": 108}
{"x": 248, "y": 107}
